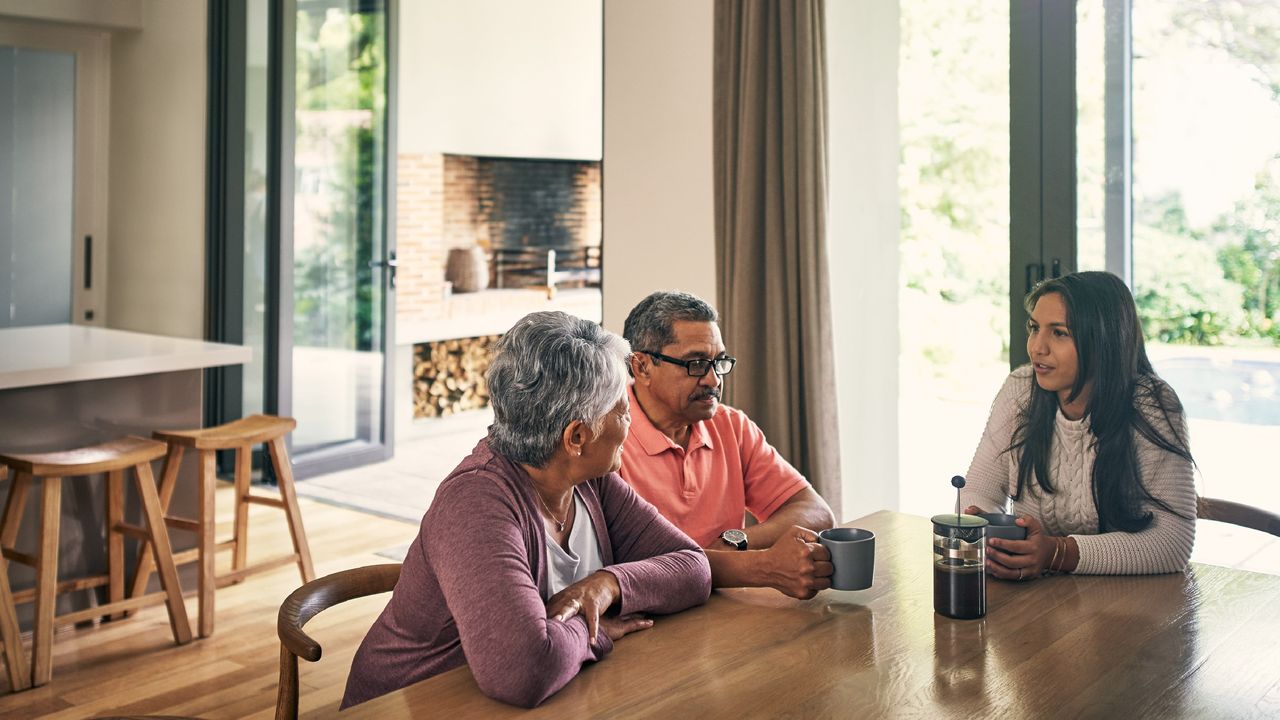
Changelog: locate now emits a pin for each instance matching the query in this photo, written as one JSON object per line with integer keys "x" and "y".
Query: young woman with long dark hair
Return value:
{"x": 1087, "y": 443}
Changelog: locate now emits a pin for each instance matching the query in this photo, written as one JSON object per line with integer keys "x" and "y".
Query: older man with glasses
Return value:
{"x": 704, "y": 464}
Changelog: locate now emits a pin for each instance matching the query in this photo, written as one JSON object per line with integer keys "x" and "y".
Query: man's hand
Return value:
{"x": 590, "y": 596}
{"x": 796, "y": 564}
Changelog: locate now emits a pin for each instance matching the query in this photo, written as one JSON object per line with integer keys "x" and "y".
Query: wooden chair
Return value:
{"x": 1238, "y": 514}
{"x": 308, "y": 601}
{"x": 240, "y": 435}
{"x": 111, "y": 458}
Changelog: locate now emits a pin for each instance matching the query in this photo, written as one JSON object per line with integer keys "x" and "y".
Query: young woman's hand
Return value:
{"x": 1022, "y": 559}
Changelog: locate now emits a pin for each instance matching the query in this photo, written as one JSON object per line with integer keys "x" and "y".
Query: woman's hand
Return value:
{"x": 1022, "y": 559}
{"x": 616, "y": 627}
{"x": 591, "y": 597}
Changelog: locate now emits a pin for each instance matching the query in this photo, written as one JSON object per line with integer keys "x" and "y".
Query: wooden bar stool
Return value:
{"x": 15, "y": 661}
{"x": 239, "y": 435}
{"x": 112, "y": 458}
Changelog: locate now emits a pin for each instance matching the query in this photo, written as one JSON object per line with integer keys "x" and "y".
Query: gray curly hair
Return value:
{"x": 550, "y": 369}
{"x": 649, "y": 324}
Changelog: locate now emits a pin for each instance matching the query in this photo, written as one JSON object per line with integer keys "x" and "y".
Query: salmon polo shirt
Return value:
{"x": 728, "y": 468}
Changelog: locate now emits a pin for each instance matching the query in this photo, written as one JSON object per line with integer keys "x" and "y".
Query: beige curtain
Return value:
{"x": 770, "y": 195}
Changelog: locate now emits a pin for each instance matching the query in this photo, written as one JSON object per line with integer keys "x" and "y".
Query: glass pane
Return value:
{"x": 338, "y": 229}
{"x": 255, "y": 204}
{"x": 37, "y": 185}
{"x": 1206, "y": 101}
{"x": 954, "y": 184}
{"x": 1091, "y": 136}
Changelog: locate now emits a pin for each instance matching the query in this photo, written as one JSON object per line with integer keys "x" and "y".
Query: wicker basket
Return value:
{"x": 467, "y": 269}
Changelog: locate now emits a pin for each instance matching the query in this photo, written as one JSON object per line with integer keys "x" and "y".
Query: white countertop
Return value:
{"x": 50, "y": 354}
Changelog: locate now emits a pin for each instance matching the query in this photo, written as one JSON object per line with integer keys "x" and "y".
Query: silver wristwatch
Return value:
{"x": 735, "y": 538}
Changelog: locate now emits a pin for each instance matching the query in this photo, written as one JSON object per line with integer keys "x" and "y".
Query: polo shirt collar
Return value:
{"x": 651, "y": 439}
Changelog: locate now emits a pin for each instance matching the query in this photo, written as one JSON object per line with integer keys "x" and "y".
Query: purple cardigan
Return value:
{"x": 470, "y": 588}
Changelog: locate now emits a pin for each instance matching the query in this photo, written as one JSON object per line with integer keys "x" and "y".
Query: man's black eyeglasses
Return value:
{"x": 700, "y": 367}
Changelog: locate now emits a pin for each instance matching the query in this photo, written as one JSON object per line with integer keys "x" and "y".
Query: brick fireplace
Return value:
{"x": 528, "y": 218}
{"x": 500, "y": 205}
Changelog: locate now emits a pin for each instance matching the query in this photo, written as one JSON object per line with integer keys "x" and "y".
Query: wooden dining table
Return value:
{"x": 1204, "y": 643}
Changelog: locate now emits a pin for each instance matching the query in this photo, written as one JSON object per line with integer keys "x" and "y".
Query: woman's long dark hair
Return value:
{"x": 1125, "y": 393}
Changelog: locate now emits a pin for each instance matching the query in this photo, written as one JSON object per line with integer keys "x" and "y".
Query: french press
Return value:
{"x": 959, "y": 562}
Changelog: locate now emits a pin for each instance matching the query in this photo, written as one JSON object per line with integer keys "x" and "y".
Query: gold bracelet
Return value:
{"x": 1062, "y": 542}
{"x": 1056, "y": 548}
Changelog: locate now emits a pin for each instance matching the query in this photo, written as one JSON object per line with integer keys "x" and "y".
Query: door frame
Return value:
{"x": 1042, "y": 140}
{"x": 90, "y": 246}
{"x": 1042, "y": 153}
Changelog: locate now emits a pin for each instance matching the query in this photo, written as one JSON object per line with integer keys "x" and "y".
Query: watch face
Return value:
{"x": 736, "y": 538}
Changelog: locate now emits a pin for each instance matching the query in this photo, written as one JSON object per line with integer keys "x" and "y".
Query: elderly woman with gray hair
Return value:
{"x": 535, "y": 557}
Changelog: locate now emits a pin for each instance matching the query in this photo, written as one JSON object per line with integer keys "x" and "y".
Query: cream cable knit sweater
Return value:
{"x": 1165, "y": 546}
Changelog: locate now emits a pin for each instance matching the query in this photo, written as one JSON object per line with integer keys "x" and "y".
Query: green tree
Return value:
{"x": 1249, "y": 237}
{"x": 1246, "y": 31}
{"x": 1184, "y": 297}
{"x": 1244, "y": 243}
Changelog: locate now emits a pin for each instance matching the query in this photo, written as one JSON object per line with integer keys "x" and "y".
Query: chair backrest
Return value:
{"x": 1238, "y": 514}
{"x": 143, "y": 717}
{"x": 308, "y": 601}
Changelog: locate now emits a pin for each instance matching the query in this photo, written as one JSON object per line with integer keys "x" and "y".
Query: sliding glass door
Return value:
{"x": 301, "y": 256}
{"x": 340, "y": 297}
{"x": 1206, "y": 227}
{"x": 1178, "y": 191}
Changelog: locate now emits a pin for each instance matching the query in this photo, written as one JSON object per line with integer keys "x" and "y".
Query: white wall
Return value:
{"x": 501, "y": 77}
{"x": 658, "y": 208}
{"x": 157, "y": 177}
{"x": 862, "y": 227}
{"x": 96, "y": 13}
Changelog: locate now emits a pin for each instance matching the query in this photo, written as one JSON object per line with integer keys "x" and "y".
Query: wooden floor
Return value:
{"x": 133, "y": 667}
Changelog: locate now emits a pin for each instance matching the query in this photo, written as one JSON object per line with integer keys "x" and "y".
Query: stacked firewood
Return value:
{"x": 448, "y": 376}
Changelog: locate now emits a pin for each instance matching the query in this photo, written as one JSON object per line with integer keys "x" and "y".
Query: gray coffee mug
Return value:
{"x": 853, "y": 555}
{"x": 1001, "y": 525}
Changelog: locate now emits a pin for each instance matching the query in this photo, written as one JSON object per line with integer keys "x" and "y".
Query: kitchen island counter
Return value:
{"x": 68, "y": 386}
{"x": 52, "y": 354}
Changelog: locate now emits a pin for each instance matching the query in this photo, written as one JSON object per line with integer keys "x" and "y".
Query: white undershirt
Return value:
{"x": 566, "y": 567}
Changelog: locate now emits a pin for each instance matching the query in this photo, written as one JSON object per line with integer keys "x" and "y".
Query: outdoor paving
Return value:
{"x": 403, "y": 487}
